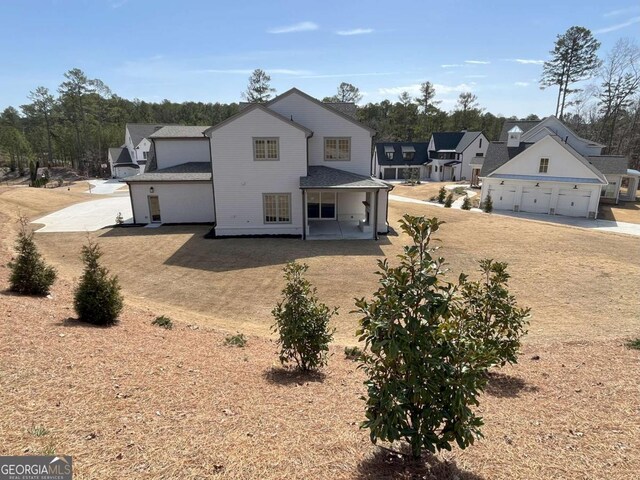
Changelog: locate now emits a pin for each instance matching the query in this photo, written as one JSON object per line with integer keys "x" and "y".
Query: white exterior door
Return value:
{"x": 536, "y": 200}
{"x": 574, "y": 203}
{"x": 502, "y": 197}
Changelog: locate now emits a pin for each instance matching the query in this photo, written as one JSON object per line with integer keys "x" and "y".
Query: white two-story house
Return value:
{"x": 131, "y": 158}
{"x": 292, "y": 167}
{"x": 545, "y": 167}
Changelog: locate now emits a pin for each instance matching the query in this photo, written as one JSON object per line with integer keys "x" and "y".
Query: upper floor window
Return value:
{"x": 144, "y": 155}
{"x": 266, "y": 149}
{"x": 544, "y": 165}
{"x": 389, "y": 151}
{"x": 408, "y": 152}
{"x": 337, "y": 148}
{"x": 480, "y": 144}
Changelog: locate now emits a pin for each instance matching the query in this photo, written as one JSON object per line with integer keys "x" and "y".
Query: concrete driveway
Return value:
{"x": 107, "y": 187}
{"x": 87, "y": 216}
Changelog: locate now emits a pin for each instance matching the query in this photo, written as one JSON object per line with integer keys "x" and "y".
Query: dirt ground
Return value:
{"x": 137, "y": 401}
{"x": 623, "y": 212}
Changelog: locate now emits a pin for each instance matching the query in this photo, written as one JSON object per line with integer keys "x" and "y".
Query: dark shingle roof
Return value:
{"x": 610, "y": 164}
{"x": 180, "y": 131}
{"x": 121, "y": 157}
{"x": 525, "y": 126}
{"x": 138, "y": 131}
{"x": 326, "y": 177}
{"x": 420, "y": 157}
{"x": 191, "y": 171}
{"x": 348, "y": 108}
{"x": 457, "y": 141}
{"x": 498, "y": 154}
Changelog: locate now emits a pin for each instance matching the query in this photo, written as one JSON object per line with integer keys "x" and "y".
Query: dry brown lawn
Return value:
{"x": 623, "y": 212}
{"x": 137, "y": 401}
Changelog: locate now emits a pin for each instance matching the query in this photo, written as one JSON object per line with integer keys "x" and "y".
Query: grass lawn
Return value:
{"x": 138, "y": 401}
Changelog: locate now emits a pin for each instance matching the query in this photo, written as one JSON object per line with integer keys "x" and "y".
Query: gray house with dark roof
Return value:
{"x": 131, "y": 157}
{"x": 545, "y": 167}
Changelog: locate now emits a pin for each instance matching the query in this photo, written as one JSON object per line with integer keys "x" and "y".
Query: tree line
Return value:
{"x": 76, "y": 124}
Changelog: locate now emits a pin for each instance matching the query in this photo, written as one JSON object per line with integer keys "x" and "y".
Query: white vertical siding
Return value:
{"x": 240, "y": 181}
{"x": 171, "y": 152}
{"x": 179, "y": 202}
{"x": 325, "y": 123}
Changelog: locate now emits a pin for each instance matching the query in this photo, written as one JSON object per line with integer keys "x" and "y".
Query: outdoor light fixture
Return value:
{"x": 537, "y": 184}
{"x": 502, "y": 182}
{"x": 150, "y": 189}
{"x": 575, "y": 187}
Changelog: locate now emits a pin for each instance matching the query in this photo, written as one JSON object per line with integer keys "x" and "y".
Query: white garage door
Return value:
{"x": 574, "y": 203}
{"x": 536, "y": 200}
{"x": 503, "y": 198}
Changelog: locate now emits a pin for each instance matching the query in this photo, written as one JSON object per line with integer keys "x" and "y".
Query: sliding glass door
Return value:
{"x": 321, "y": 205}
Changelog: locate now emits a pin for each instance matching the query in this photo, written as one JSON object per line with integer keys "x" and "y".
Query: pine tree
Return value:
{"x": 466, "y": 203}
{"x": 259, "y": 89}
{"x": 488, "y": 204}
{"x": 449, "y": 201}
{"x": 97, "y": 298}
{"x": 30, "y": 275}
{"x": 442, "y": 193}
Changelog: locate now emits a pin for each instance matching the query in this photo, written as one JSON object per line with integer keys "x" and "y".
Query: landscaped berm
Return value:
{"x": 139, "y": 401}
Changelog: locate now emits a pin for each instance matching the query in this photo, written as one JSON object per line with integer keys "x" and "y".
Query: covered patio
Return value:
{"x": 340, "y": 205}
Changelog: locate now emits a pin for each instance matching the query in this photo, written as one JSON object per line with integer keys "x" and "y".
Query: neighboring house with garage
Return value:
{"x": 131, "y": 157}
{"x": 400, "y": 160}
{"x": 454, "y": 156}
{"x": 292, "y": 167}
{"x": 545, "y": 167}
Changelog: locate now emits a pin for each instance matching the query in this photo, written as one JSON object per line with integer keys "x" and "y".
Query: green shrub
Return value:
{"x": 237, "y": 340}
{"x": 429, "y": 344}
{"x": 635, "y": 344}
{"x": 163, "y": 321}
{"x": 352, "y": 353}
{"x": 302, "y": 321}
{"x": 38, "y": 431}
{"x": 466, "y": 203}
{"x": 459, "y": 190}
{"x": 97, "y": 298}
{"x": 30, "y": 275}
{"x": 449, "y": 201}
{"x": 487, "y": 206}
{"x": 442, "y": 193}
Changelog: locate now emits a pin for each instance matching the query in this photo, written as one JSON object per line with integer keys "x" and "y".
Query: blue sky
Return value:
{"x": 205, "y": 50}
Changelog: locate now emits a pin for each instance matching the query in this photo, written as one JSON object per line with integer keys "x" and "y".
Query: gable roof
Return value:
{"x": 453, "y": 141}
{"x": 544, "y": 124}
{"x": 185, "y": 172}
{"x": 609, "y": 164}
{"x": 179, "y": 131}
{"x": 327, "y": 177}
{"x": 326, "y": 106}
{"x": 348, "y": 108}
{"x": 121, "y": 157}
{"x": 262, "y": 108}
{"x": 420, "y": 156}
{"x": 498, "y": 153}
{"x": 524, "y": 125}
{"x": 139, "y": 131}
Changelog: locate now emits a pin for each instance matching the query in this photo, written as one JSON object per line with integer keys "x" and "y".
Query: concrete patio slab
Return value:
{"x": 87, "y": 216}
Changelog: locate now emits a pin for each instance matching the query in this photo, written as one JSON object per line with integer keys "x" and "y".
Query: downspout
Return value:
{"x": 386, "y": 215}
{"x": 213, "y": 186}
{"x": 304, "y": 214}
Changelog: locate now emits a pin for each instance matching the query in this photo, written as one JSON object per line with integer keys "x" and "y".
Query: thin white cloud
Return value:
{"x": 439, "y": 88}
{"x": 296, "y": 27}
{"x": 347, "y": 75}
{"x": 452, "y": 65}
{"x": 522, "y": 84}
{"x": 477, "y": 62}
{"x": 622, "y": 11}
{"x": 119, "y": 3}
{"x": 527, "y": 61}
{"x": 475, "y": 76}
{"x": 618, "y": 26}
{"x": 248, "y": 71}
{"x": 355, "y": 31}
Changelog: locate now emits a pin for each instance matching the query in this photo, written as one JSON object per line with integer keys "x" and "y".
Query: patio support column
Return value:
{"x": 304, "y": 214}
{"x": 375, "y": 214}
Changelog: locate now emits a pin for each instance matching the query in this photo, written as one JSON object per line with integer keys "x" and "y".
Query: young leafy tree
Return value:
{"x": 573, "y": 58}
{"x": 427, "y": 351}
{"x": 97, "y": 298}
{"x": 259, "y": 89}
{"x": 302, "y": 322}
{"x": 30, "y": 275}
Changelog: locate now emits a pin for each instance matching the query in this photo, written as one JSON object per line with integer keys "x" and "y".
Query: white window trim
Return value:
{"x": 337, "y": 139}
{"x": 264, "y": 208}
{"x": 546, "y": 167}
{"x": 266, "y": 159}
